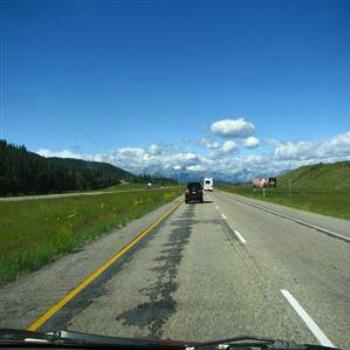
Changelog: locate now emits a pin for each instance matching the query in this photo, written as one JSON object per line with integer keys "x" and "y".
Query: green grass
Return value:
{"x": 320, "y": 188}
{"x": 318, "y": 178}
{"x": 36, "y": 232}
{"x": 334, "y": 204}
{"x": 133, "y": 187}
{"x": 124, "y": 187}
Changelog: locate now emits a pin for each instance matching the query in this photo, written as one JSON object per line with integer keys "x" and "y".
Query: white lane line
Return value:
{"x": 301, "y": 222}
{"x": 311, "y": 324}
{"x": 240, "y": 237}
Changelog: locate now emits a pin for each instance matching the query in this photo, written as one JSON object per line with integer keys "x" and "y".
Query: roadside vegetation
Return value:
{"x": 320, "y": 188}
{"x": 36, "y": 232}
{"x": 133, "y": 186}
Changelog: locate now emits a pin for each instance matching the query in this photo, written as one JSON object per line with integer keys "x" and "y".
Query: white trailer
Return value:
{"x": 208, "y": 184}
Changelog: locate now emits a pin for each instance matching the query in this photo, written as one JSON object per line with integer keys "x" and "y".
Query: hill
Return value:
{"x": 24, "y": 172}
{"x": 318, "y": 178}
{"x": 320, "y": 188}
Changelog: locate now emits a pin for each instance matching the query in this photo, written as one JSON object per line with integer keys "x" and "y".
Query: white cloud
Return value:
{"x": 195, "y": 168}
{"x": 251, "y": 142}
{"x": 237, "y": 128}
{"x": 210, "y": 144}
{"x": 223, "y": 162}
{"x": 336, "y": 147}
{"x": 155, "y": 149}
{"x": 187, "y": 156}
{"x": 62, "y": 154}
{"x": 229, "y": 146}
{"x": 294, "y": 150}
{"x": 272, "y": 142}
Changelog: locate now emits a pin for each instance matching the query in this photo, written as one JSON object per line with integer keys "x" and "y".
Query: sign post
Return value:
{"x": 290, "y": 187}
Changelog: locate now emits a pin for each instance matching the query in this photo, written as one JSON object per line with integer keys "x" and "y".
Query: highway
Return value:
{"x": 75, "y": 194}
{"x": 223, "y": 268}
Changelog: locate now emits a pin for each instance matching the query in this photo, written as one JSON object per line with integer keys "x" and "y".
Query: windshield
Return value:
{"x": 176, "y": 169}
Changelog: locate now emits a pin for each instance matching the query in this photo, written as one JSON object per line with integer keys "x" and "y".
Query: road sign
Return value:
{"x": 272, "y": 181}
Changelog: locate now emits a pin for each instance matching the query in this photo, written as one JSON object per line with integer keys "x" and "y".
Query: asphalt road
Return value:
{"x": 222, "y": 268}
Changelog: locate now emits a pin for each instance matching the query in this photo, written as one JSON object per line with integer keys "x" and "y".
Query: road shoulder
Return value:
{"x": 23, "y": 301}
{"x": 337, "y": 225}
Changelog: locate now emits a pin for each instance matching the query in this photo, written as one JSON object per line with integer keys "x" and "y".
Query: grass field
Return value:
{"x": 35, "y": 232}
{"x": 320, "y": 188}
{"x": 131, "y": 187}
{"x": 334, "y": 204}
{"x": 317, "y": 178}
{"x": 125, "y": 187}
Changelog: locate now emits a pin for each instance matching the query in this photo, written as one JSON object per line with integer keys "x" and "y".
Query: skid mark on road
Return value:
{"x": 229, "y": 233}
{"x": 98, "y": 288}
{"x": 239, "y": 236}
{"x": 161, "y": 305}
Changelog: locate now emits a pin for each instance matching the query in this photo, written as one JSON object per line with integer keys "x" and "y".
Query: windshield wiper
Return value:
{"x": 77, "y": 339}
{"x": 259, "y": 342}
{"x": 84, "y": 340}
{"x": 14, "y": 335}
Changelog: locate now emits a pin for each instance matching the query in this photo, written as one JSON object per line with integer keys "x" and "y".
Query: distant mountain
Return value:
{"x": 183, "y": 175}
{"x": 319, "y": 178}
{"x": 179, "y": 175}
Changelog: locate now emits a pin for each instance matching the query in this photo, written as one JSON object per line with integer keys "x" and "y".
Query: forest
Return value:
{"x": 25, "y": 172}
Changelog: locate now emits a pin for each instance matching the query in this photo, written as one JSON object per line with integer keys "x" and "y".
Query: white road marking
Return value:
{"x": 216, "y": 207}
{"x": 311, "y": 324}
{"x": 240, "y": 237}
{"x": 304, "y": 223}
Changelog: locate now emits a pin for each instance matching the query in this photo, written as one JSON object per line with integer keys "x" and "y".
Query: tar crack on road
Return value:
{"x": 161, "y": 305}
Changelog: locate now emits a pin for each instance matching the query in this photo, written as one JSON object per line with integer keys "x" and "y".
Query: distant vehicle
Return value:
{"x": 208, "y": 184}
{"x": 149, "y": 185}
{"x": 260, "y": 183}
{"x": 194, "y": 192}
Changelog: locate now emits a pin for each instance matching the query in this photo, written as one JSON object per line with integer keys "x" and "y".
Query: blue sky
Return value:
{"x": 92, "y": 78}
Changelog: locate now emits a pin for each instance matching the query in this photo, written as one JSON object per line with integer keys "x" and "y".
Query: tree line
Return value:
{"x": 25, "y": 172}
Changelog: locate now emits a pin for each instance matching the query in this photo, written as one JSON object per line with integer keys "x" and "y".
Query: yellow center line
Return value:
{"x": 85, "y": 282}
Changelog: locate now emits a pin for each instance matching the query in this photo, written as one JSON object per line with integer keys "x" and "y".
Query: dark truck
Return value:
{"x": 194, "y": 192}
